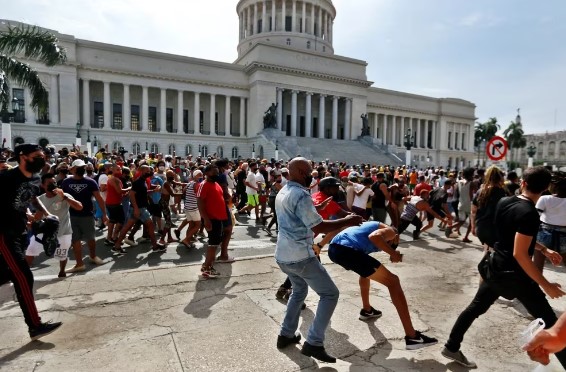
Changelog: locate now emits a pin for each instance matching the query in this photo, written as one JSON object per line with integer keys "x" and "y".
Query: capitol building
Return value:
{"x": 318, "y": 101}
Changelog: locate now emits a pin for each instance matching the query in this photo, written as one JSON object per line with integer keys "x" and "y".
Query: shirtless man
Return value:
{"x": 166, "y": 192}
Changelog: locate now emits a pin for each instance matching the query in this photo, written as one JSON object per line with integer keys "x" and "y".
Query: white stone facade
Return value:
{"x": 142, "y": 99}
{"x": 550, "y": 148}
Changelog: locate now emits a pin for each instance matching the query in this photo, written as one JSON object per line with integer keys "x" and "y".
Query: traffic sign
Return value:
{"x": 496, "y": 148}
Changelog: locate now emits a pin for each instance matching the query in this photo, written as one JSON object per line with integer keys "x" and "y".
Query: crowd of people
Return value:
{"x": 348, "y": 205}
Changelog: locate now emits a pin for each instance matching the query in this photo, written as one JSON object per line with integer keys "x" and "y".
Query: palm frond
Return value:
{"x": 33, "y": 43}
{"x": 24, "y": 75}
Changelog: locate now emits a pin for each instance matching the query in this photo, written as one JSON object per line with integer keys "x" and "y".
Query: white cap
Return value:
{"x": 78, "y": 163}
{"x": 284, "y": 170}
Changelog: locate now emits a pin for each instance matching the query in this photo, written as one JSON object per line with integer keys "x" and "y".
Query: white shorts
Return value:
{"x": 61, "y": 253}
{"x": 192, "y": 215}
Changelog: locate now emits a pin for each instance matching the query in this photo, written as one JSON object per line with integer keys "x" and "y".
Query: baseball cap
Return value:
{"x": 24, "y": 149}
{"x": 328, "y": 182}
{"x": 284, "y": 170}
{"x": 78, "y": 163}
{"x": 353, "y": 175}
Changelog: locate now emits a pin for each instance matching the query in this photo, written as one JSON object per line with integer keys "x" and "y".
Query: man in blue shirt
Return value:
{"x": 351, "y": 249}
{"x": 298, "y": 222}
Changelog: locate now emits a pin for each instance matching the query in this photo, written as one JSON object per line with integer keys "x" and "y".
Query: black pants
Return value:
{"x": 14, "y": 268}
{"x": 415, "y": 221}
{"x": 530, "y": 295}
{"x": 271, "y": 203}
{"x": 243, "y": 199}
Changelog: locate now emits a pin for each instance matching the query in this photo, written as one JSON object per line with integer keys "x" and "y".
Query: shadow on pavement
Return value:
{"x": 29, "y": 347}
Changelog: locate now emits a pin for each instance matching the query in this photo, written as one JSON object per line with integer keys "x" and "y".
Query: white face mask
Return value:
{"x": 161, "y": 168}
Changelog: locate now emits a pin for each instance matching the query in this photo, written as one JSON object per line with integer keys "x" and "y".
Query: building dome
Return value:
{"x": 306, "y": 25}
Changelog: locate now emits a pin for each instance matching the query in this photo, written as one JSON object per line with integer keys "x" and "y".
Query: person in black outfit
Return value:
{"x": 509, "y": 271}
{"x": 19, "y": 188}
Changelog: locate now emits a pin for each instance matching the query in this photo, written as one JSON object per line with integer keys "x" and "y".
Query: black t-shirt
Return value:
{"x": 378, "y": 199}
{"x": 514, "y": 215}
{"x": 17, "y": 192}
{"x": 83, "y": 190}
{"x": 438, "y": 197}
{"x": 139, "y": 186}
{"x": 512, "y": 187}
{"x": 485, "y": 216}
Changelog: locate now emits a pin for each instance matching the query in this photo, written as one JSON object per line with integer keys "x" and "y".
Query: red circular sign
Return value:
{"x": 496, "y": 148}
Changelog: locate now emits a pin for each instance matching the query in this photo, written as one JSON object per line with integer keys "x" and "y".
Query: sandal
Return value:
{"x": 225, "y": 260}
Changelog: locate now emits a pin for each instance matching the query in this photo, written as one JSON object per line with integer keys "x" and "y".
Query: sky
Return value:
{"x": 501, "y": 55}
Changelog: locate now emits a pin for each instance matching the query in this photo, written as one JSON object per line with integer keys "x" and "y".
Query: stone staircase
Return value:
{"x": 362, "y": 150}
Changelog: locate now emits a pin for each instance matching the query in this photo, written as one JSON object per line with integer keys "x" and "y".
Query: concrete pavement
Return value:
{"x": 165, "y": 317}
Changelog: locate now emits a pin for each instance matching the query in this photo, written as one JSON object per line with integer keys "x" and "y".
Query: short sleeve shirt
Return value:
{"x": 139, "y": 187}
{"x": 251, "y": 179}
{"x": 296, "y": 216}
{"x": 17, "y": 193}
{"x": 82, "y": 190}
{"x": 361, "y": 201}
{"x": 60, "y": 208}
{"x": 357, "y": 237}
{"x": 212, "y": 195}
{"x": 332, "y": 209}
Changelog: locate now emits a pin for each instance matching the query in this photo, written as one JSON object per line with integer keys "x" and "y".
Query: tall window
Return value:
{"x": 152, "y": 119}
{"x": 259, "y": 26}
{"x": 450, "y": 140}
{"x": 204, "y": 150}
{"x": 169, "y": 120}
{"x": 19, "y": 114}
{"x": 216, "y": 123}
{"x": 135, "y": 118}
{"x": 201, "y": 121}
{"x": 188, "y": 150}
{"x": 540, "y": 150}
{"x": 171, "y": 149}
{"x": 220, "y": 152}
{"x": 116, "y": 145}
{"x": 154, "y": 148}
{"x": 136, "y": 150}
{"x": 185, "y": 121}
{"x": 463, "y": 141}
{"x": 234, "y": 152}
{"x": 288, "y": 23}
{"x": 551, "y": 148}
{"x": 98, "y": 115}
{"x": 456, "y": 140}
{"x": 562, "y": 149}
{"x": 117, "y": 116}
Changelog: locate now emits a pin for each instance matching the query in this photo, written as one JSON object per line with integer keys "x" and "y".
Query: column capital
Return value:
{"x": 336, "y": 98}
{"x": 126, "y": 85}
{"x": 309, "y": 93}
{"x": 280, "y": 89}
{"x": 295, "y": 91}
{"x": 163, "y": 89}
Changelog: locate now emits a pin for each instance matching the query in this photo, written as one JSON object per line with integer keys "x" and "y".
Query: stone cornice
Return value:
{"x": 255, "y": 66}
{"x": 455, "y": 101}
{"x": 328, "y": 93}
{"x": 407, "y": 109}
{"x": 164, "y": 78}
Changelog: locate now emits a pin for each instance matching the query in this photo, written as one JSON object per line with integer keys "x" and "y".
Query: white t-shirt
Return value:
{"x": 260, "y": 180}
{"x": 361, "y": 200}
{"x": 314, "y": 186}
{"x": 250, "y": 178}
{"x": 553, "y": 210}
{"x": 103, "y": 180}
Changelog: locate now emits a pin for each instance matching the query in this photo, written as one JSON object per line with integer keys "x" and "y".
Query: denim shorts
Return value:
{"x": 144, "y": 215}
{"x": 552, "y": 238}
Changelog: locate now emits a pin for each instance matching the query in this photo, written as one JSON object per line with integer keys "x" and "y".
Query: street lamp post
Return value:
{"x": 95, "y": 146}
{"x": 253, "y": 151}
{"x": 531, "y": 151}
{"x": 276, "y": 151}
{"x": 409, "y": 143}
{"x": 199, "y": 151}
{"x": 88, "y": 143}
{"x": 78, "y": 140}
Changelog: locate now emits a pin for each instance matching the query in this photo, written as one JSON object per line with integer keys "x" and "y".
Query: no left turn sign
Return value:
{"x": 496, "y": 148}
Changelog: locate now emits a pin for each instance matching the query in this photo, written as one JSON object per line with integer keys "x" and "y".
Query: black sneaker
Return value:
{"x": 43, "y": 330}
{"x": 281, "y": 292}
{"x": 118, "y": 250}
{"x": 109, "y": 242}
{"x": 416, "y": 234}
{"x": 283, "y": 341}
{"x": 177, "y": 234}
{"x": 419, "y": 341}
{"x": 317, "y": 352}
{"x": 371, "y": 314}
{"x": 458, "y": 357}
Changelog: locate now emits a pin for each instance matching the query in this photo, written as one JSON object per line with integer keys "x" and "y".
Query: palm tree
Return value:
{"x": 484, "y": 132}
{"x": 32, "y": 43}
{"x": 515, "y": 136}
{"x": 491, "y": 128}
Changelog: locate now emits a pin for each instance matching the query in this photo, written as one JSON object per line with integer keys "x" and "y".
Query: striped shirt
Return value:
{"x": 190, "y": 197}
{"x": 411, "y": 209}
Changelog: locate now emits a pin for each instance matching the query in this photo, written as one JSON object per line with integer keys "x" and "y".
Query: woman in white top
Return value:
{"x": 362, "y": 194}
{"x": 552, "y": 232}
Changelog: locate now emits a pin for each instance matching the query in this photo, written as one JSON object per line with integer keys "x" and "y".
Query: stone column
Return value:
{"x": 331, "y": 27}
{"x": 196, "y": 114}
{"x": 241, "y": 24}
{"x": 347, "y": 119}
{"x": 213, "y": 115}
{"x": 418, "y": 134}
{"x": 86, "y": 103}
{"x": 283, "y": 15}
{"x": 242, "y": 116}
{"x": 308, "y": 115}
{"x": 273, "y": 16}
{"x": 163, "y": 111}
{"x": 323, "y": 27}
{"x": 433, "y": 139}
{"x": 248, "y": 21}
{"x": 427, "y": 134}
{"x": 144, "y": 108}
{"x": 304, "y": 20}
{"x": 29, "y": 111}
{"x": 180, "y": 112}
{"x": 294, "y": 18}
{"x": 321, "y": 115}
{"x": 319, "y": 28}
{"x": 255, "y": 28}
{"x": 394, "y": 129}
{"x": 126, "y": 109}
{"x": 227, "y": 129}
{"x": 312, "y": 19}
{"x": 335, "y": 117}
{"x": 54, "y": 99}
{"x": 280, "y": 108}
{"x": 107, "y": 106}
{"x": 264, "y": 25}
{"x": 294, "y": 94}
{"x": 385, "y": 129}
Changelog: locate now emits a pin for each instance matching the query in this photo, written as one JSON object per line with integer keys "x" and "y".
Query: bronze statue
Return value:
{"x": 270, "y": 117}
{"x": 365, "y": 125}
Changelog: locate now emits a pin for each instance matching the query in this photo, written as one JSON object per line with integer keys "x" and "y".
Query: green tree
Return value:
{"x": 31, "y": 43}
{"x": 515, "y": 136}
{"x": 485, "y": 131}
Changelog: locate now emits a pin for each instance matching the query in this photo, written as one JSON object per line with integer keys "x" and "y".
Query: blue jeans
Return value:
{"x": 305, "y": 274}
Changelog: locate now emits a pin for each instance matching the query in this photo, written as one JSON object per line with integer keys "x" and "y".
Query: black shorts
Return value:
{"x": 216, "y": 233}
{"x": 154, "y": 210}
{"x": 351, "y": 259}
{"x": 116, "y": 214}
{"x": 430, "y": 217}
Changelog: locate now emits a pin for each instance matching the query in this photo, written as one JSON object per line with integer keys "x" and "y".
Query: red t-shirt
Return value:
{"x": 331, "y": 209}
{"x": 344, "y": 173}
{"x": 422, "y": 186}
{"x": 213, "y": 197}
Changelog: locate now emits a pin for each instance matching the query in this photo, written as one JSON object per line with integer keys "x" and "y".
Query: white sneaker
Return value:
{"x": 131, "y": 243}
{"x": 96, "y": 260}
{"x": 76, "y": 269}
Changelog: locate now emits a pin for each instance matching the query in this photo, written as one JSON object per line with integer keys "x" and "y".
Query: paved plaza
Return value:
{"x": 147, "y": 312}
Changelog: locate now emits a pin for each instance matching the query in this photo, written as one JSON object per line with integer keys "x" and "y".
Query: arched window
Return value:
{"x": 43, "y": 142}
{"x": 18, "y": 141}
{"x": 171, "y": 149}
{"x": 261, "y": 152}
{"x": 540, "y": 149}
{"x": 136, "y": 149}
{"x": 204, "y": 150}
{"x": 551, "y": 148}
{"x": 116, "y": 145}
{"x": 220, "y": 151}
{"x": 188, "y": 150}
{"x": 562, "y": 149}
{"x": 234, "y": 152}
{"x": 154, "y": 148}
{"x": 288, "y": 41}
